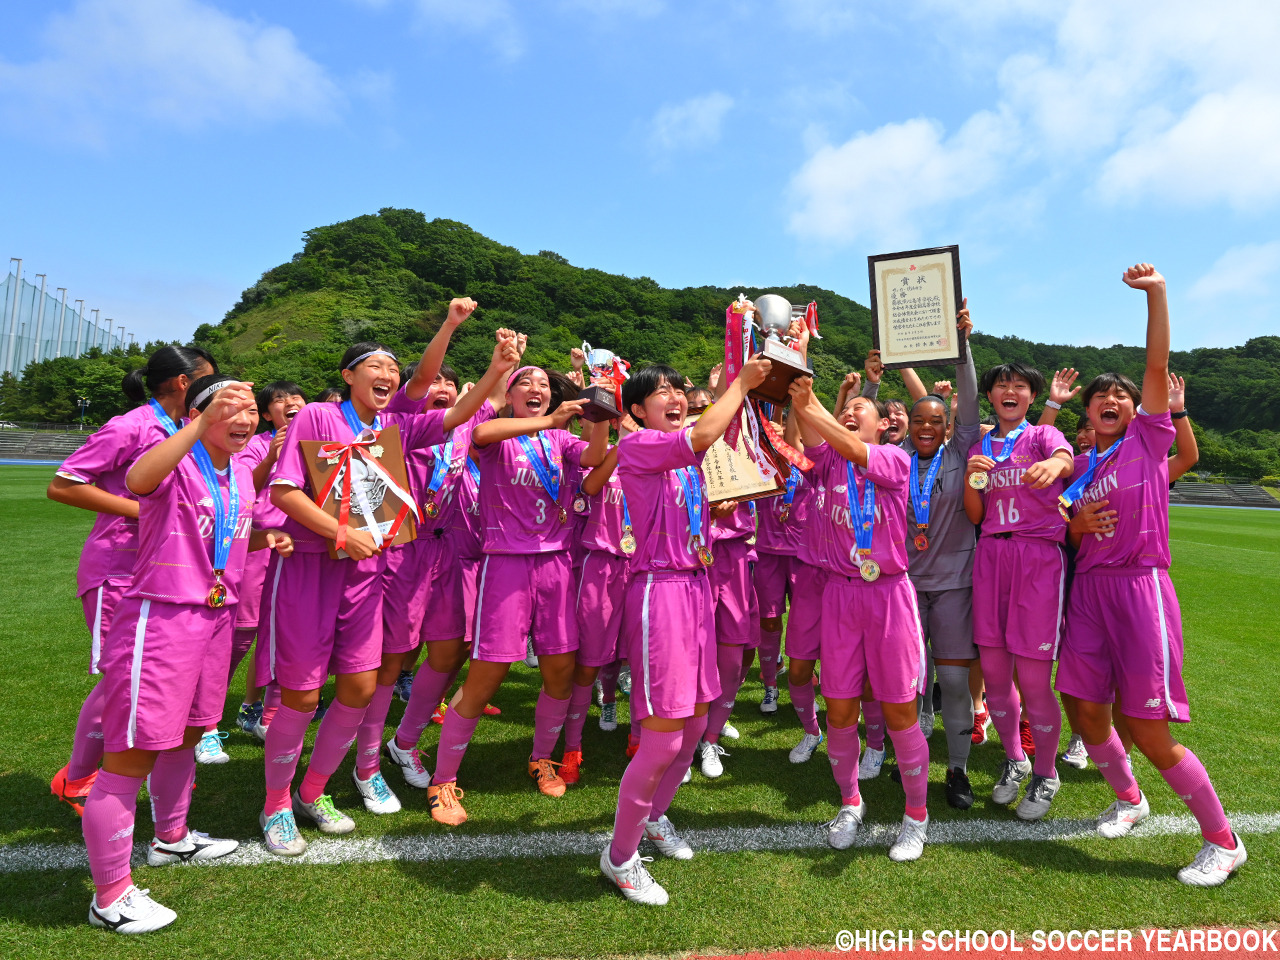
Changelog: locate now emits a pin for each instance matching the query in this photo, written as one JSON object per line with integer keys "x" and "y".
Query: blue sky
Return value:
{"x": 158, "y": 155}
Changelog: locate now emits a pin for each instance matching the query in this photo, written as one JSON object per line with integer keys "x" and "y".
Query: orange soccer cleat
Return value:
{"x": 72, "y": 792}
{"x": 544, "y": 775}
{"x": 443, "y": 802}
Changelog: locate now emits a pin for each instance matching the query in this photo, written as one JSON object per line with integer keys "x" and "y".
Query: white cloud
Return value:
{"x": 1245, "y": 270}
{"x": 180, "y": 62}
{"x": 492, "y": 20}
{"x": 694, "y": 124}
{"x": 882, "y": 186}
{"x": 824, "y": 16}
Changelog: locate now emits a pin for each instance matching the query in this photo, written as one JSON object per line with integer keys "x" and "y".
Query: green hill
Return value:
{"x": 390, "y": 276}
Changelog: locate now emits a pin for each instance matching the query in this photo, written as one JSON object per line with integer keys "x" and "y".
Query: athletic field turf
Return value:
{"x": 521, "y": 879}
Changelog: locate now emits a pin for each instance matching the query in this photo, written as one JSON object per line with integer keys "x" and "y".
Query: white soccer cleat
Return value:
{"x": 1075, "y": 755}
{"x": 327, "y": 818}
{"x": 624, "y": 680}
{"x": 633, "y": 880}
{"x": 209, "y": 749}
{"x": 194, "y": 846}
{"x": 729, "y": 731}
{"x": 260, "y": 731}
{"x": 910, "y": 842}
{"x": 530, "y": 658}
{"x": 1119, "y": 819}
{"x": 688, "y": 776}
{"x": 1039, "y": 796}
{"x": 133, "y": 912}
{"x": 843, "y": 830}
{"x": 769, "y": 704}
{"x": 410, "y": 764}
{"x": 609, "y": 717}
{"x": 663, "y": 835}
{"x": 802, "y": 752}
{"x": 926, "y": 722}
{"x": 280, "y": 834}
{"x": 870, "y": 764}
{"x": 1011, "y": 777}
{"x": 1213, "y": 864}
{"x": 375, "y": 793}
{"x": 711, "y": 754}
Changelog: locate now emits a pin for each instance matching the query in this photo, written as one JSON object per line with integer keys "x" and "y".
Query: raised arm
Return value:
{"x": 1188, "y": 454}
{"x": 875, "y": 370}
{"x": 433, "y": 357}
{"x": 150, "y": 469}
{"x": 914, "y": 385}
{"x": 1155, "y": 380}
{"x": 965, "y": 407}
{"x": 1060, "y": 391}
{"x": 505, "y": 355}
{"x": 594, "y": 481}
{"x": 817, "y": 425}
{"x": 716, "y": 418}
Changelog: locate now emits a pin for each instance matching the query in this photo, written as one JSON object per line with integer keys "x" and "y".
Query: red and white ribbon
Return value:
{"x": 343, "y": 452}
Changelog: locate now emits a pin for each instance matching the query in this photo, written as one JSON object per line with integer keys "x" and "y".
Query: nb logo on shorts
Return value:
{"x": 121, "y": 834}
{"x": 1153, "y": 702}
{"x": 285, "y": 758}
{"x": 1046, "y": 646}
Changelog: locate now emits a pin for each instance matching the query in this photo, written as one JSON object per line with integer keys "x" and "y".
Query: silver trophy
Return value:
{"x": 602, "y": 401}
{"x": 773, "y": 316}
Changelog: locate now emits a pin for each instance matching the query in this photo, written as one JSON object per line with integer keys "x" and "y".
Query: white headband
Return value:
{"x": 372, "y": 353}
{"x": 210, "y": 390}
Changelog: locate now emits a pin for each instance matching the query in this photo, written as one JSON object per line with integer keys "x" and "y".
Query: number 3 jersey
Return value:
{"x": 1012, "y": 505}
{"x": 519, "y": 515}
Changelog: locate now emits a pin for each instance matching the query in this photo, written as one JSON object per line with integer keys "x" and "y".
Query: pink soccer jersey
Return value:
{"x": 175, "y": 542}
{"x": 778, "y": 536}
{"x": 1012, "y": 506}
{"x": 739, "y": 525}
{"x": 324, "y": 421}
{"x": 647, "y": 461}
{"x": 519, "y": 516}
{"x": 467, "y": 535}
{"x": 888, "y": 468}
{"x": 104, "y": 460}
{"x": 602, "y": 525}
{"x": 1135, "y": 483}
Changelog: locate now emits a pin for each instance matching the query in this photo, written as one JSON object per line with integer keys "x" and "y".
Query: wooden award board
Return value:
{"x": 731, "y": 474}
{"x": 386, "y": 505}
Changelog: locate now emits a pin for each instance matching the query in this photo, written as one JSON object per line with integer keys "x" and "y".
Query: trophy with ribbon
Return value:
{"x": 364, "y": 486}
{"x": 604, "y": 401}
{"x": 752, "y": 461}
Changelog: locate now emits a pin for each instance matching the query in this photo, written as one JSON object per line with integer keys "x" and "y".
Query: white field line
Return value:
{"x": 798, "y": 836}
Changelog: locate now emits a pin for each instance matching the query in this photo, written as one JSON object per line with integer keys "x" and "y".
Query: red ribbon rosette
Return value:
{"x": 344, "y": 453}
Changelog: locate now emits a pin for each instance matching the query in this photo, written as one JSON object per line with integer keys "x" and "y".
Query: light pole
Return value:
{"x": 121, "y": 329}
{"x": 95, "y": 311}
{"x": 35, "y": 353}
{"x": 84, "y": 405}
{"x": 79, "y": 328}
{"x": 62, "y": 320}
{"x": 13, "y": 315}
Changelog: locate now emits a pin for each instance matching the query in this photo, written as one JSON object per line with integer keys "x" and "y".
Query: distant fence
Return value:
{"x": 47, "y": 427}
{"x": 36, "y": 324}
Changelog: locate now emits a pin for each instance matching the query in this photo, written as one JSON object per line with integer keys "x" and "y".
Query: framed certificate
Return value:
{"x": 731, "y": 474}
{"x": 915, "y": 296}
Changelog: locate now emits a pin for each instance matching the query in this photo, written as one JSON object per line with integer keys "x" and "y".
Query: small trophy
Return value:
{"x": 604, "y": 402}
{"x": 773, "y": 316}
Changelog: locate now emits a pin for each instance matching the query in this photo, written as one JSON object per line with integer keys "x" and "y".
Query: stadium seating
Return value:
{"x": 1222, "y": 494}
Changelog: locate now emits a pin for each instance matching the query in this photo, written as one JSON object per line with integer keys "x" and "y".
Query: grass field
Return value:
{"x": 1227, "y": 568}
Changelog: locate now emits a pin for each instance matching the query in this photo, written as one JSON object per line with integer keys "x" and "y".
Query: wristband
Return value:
{"x": 1178, "y": 416}
{"x": 1051, "y": 403}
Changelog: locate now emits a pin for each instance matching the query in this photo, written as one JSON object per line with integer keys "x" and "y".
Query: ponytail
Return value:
{"x": 162, "y": 366}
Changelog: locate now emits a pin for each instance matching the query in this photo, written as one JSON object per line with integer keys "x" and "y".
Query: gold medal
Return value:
{"x": 218, "y": 592}
{"x": 921, "y": 541}
{"x": 784, "y": 513}
{"x": 564, "y": 515}
{"x": 751, "y": 540}
{"x": 628, "y": 542}
{"x": 432, "y": 509}
{"x": 978, "y": 481}
{"x": 870, "y": 570}
{"x": 1063, "y": 507}
{"x": 704, "y": 554}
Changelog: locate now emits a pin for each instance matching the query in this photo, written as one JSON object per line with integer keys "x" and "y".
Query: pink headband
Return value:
{"x": 516, "y": 376}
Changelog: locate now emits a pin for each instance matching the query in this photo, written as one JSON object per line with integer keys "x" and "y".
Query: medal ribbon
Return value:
{"x": 811, "y": 319}
{"x": 691, "y": 483}
{"x": 1006, "y": 450}
{"x": 626, "y": 514}
{"x": 548, "y": 473}
{"x": 166, "y": 421}
{"x": 793, "y": 482}
{"x": 473, "y": 468}
{"x": 353, "y": 419}
{"x": 343, "y": 452}
{"x": 443, "y": 460}
{"x": 1072, "y": 493}
{"x": 920, "y": 493}
{"x": 789, "y": 453}
{"x": 224, "y": 518}
{"x": 863, "y": 516}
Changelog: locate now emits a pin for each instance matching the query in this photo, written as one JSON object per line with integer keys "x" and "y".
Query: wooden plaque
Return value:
{"x": 915, "y": 296}
{"x": 386, "y": 505}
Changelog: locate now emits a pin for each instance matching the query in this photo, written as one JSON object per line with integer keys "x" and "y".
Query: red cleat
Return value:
{"x": 72, "y": 792}
{"x": 981, "y": 724}
{"x": 491, "y": 711}
{"x": 438, "y": 716}
{"x": 1028, "y": 741}
{"x": 570, "y": 766}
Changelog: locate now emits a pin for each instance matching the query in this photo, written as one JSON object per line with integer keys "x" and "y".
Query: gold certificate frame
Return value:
{"x": 915, "y": 296}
